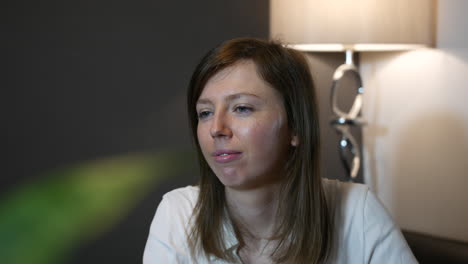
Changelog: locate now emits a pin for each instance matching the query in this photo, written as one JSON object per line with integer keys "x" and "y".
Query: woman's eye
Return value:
{"x": 204, "y": 114}
{"x": 243, "y": 109}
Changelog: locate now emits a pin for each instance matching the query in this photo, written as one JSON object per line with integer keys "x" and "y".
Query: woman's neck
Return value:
{"x": 254, "y": 210}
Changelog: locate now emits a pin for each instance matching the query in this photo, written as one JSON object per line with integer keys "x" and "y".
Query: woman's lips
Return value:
{"x": 225, "y": 156}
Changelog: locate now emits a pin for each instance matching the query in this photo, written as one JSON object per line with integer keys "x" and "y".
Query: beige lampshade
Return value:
{"x": 360, "y": 25}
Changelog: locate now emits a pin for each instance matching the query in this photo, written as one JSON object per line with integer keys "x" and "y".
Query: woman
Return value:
{"x": 260, "y": 198}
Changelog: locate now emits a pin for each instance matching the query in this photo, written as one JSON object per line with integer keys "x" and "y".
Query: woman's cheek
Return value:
{"x": 203, "y": 138}
{"x": 264, "y": 136}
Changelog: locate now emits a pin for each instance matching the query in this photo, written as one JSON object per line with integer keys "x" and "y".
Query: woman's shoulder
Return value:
{"x": 365, "y": 231}
{"x": 351, "y": 202}
{"x": 167, "y": 241}
{"x": 345, "y": 194}
{"x": 179, "y": 203}
{"x": 175, "y": 210}
{"x": 188, "y": 194}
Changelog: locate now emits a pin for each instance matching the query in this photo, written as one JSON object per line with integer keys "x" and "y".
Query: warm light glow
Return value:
{"x": 387, "y": 47}
{"x": 318, "y": 47}
{"x": 335, "y": 47}
{"x": 327, "y": 25}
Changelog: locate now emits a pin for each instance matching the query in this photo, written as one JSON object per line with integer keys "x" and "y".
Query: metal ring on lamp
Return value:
{"x": 357, "y": 104}
{"x": 344, "y": 120}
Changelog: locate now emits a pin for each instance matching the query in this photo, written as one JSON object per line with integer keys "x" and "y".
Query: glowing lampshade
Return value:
{"x": 359, "y": 25}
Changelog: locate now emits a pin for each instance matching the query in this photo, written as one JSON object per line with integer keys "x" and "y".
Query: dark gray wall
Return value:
{"x": 88, "y": 79}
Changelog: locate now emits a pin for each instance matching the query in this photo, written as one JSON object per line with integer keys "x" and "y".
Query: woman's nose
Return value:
{"x": 220, "y": 126}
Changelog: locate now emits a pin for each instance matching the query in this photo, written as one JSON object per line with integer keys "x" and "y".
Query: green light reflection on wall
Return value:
{"x": 41, "y": 222}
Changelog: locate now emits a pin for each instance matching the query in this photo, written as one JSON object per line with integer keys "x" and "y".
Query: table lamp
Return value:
{"x": 352, "y": 26}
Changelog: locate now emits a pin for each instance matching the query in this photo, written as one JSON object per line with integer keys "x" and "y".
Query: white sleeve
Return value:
{"x": 164, "y": 241}
{"x": 383, "y": 241}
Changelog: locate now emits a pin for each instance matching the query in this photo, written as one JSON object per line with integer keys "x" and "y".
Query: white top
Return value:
{"x": 365, "y": 232}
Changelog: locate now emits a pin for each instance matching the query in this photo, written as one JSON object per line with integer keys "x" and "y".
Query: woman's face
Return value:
{"x": 242, "y": 128}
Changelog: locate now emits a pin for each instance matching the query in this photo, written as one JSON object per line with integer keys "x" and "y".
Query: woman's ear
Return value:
{"x": 294, "y": 141}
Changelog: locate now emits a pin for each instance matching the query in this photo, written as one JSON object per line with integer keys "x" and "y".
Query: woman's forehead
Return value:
{"x": 240, "y": 78}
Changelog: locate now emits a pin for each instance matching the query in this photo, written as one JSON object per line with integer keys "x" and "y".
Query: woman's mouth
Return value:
{"x": 225, "y": 156}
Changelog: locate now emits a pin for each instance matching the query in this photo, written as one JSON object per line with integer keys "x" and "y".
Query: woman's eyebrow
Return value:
{"x": 203, "y": 101}
{"x": 228, "y": 98}
{"x": 233, "y": 97}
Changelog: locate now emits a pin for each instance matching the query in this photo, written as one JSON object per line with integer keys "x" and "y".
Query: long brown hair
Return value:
{"x": 305, "y": 230}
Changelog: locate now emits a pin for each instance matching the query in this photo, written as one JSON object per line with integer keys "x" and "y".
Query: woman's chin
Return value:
{"x": 231, "y": 179}
{"x": 234, "y": 179}
{"x": 238, "y": 183}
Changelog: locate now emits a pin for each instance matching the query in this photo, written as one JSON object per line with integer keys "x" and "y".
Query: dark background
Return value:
{"x": 88, "y": 79}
